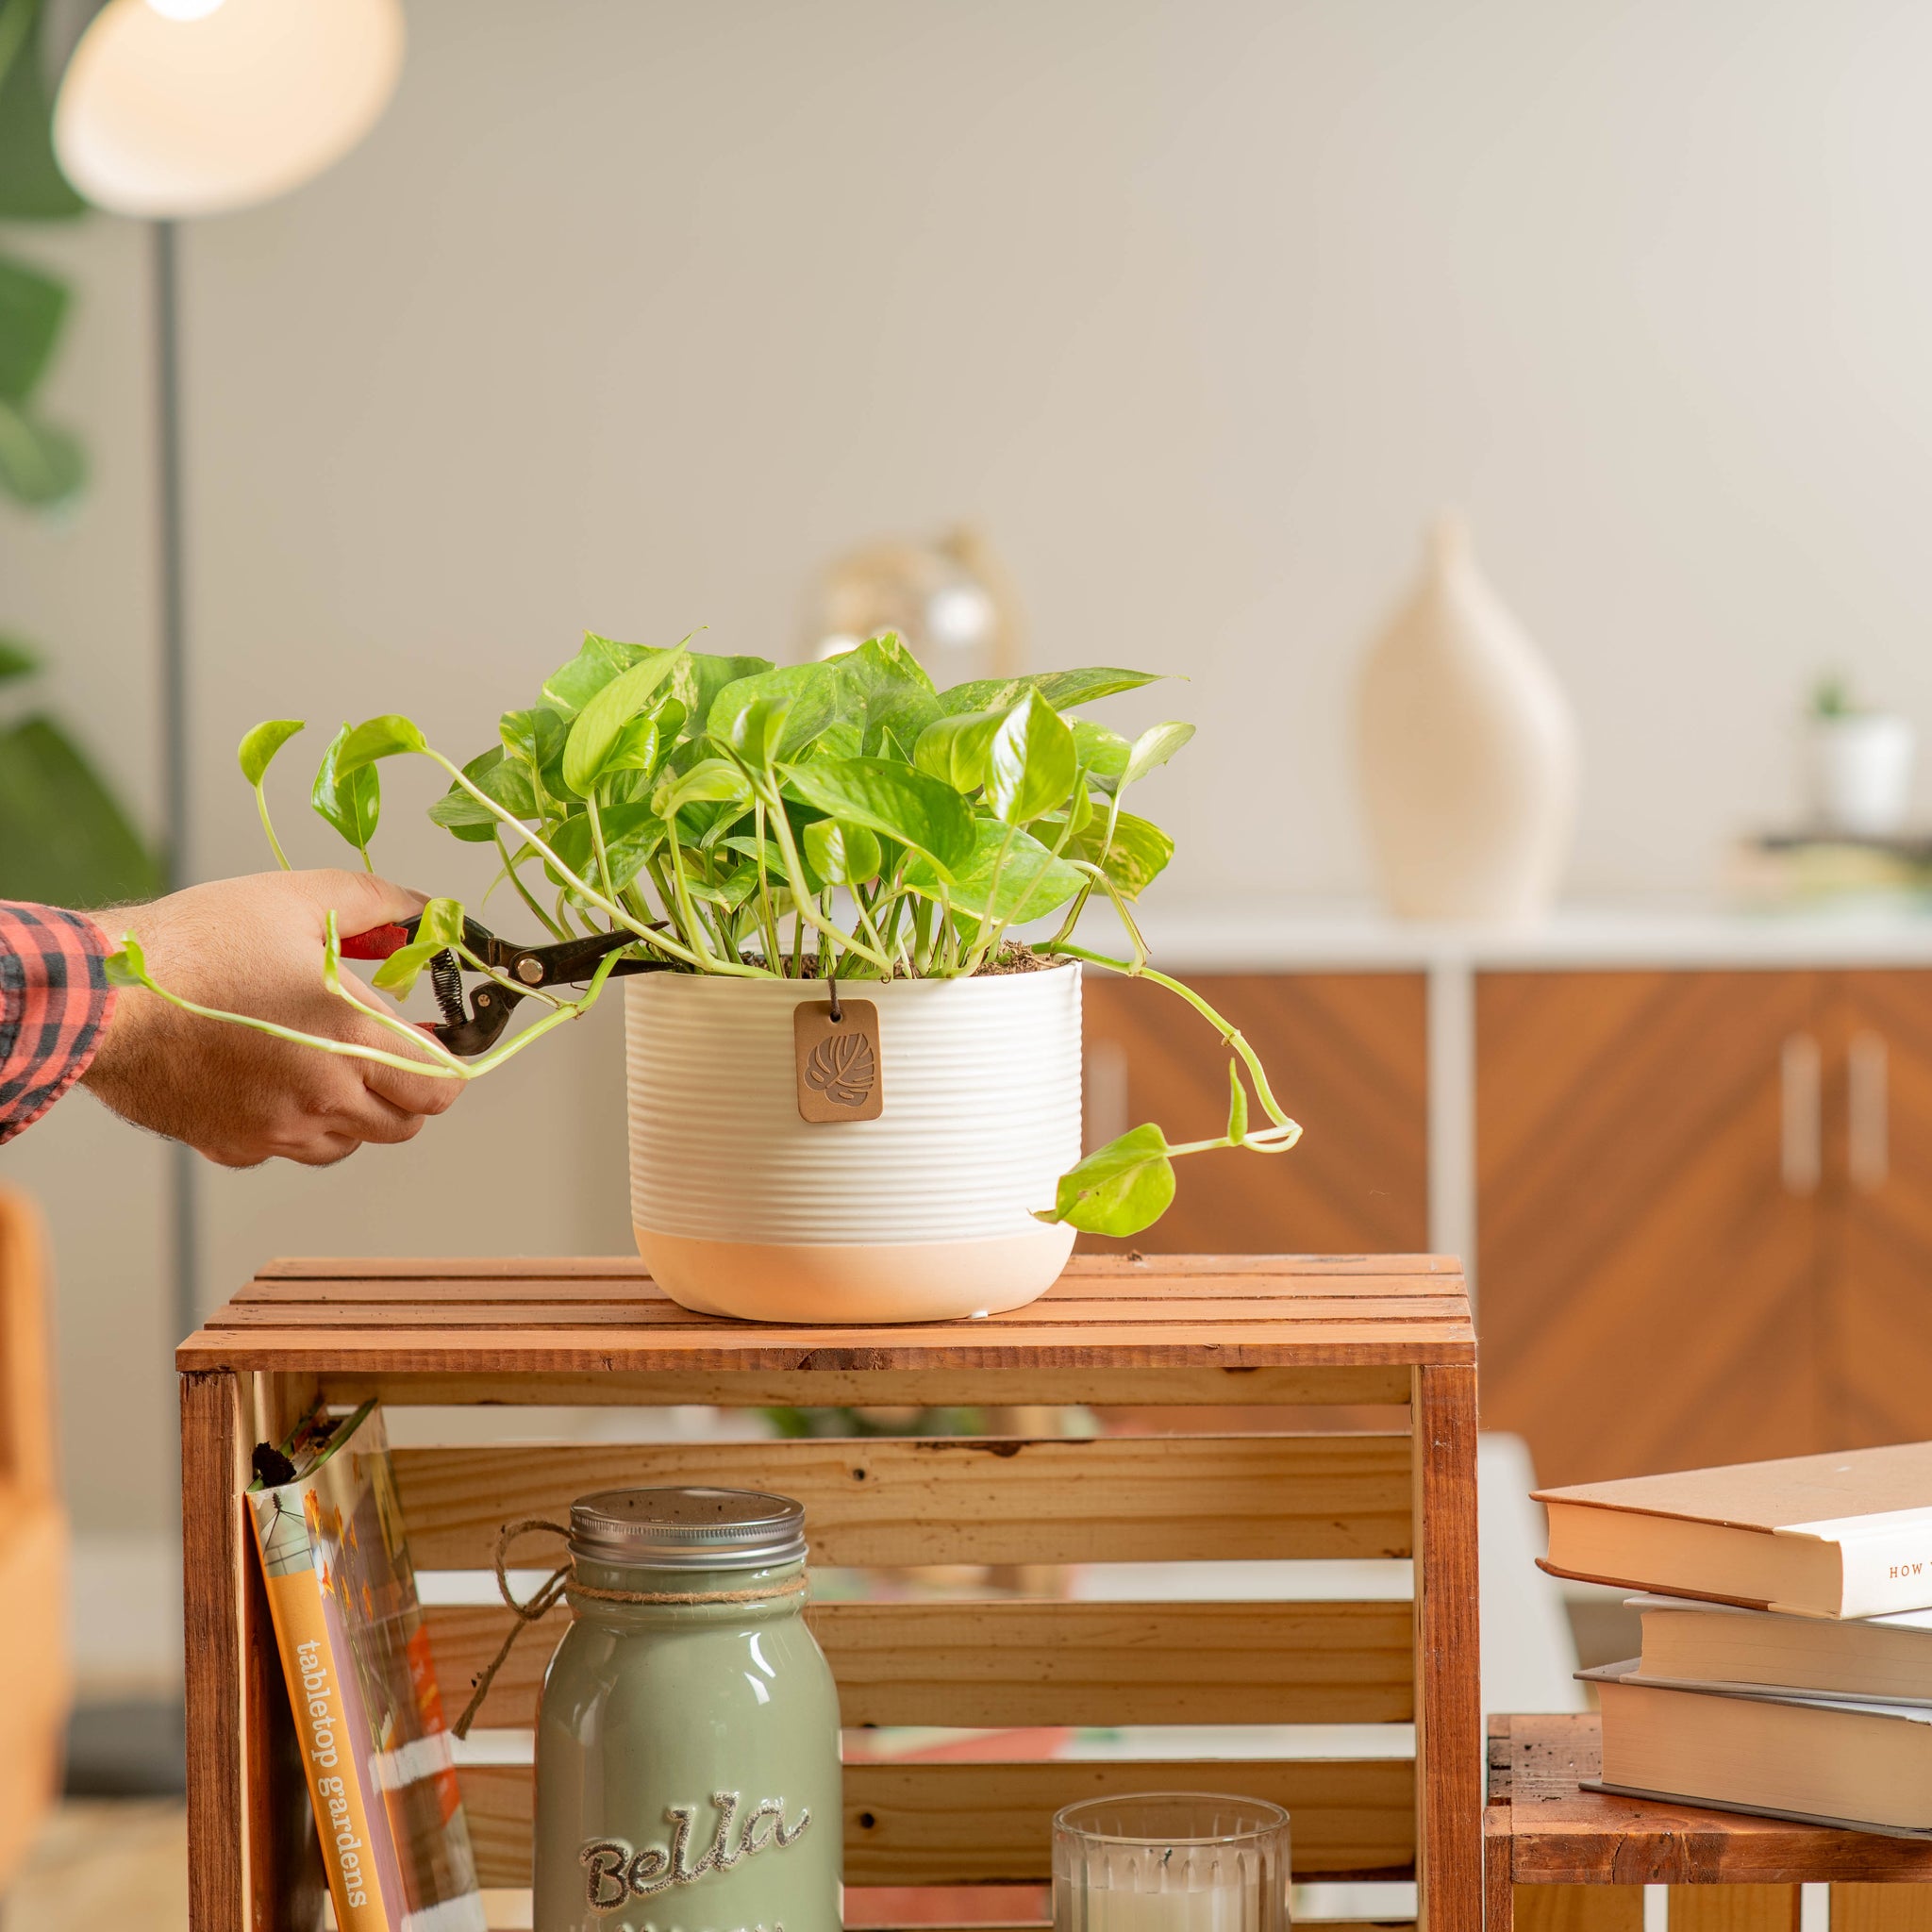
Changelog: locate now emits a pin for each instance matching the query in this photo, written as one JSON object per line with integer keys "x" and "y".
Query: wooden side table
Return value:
{"x": 1170, "y": 1336}
{"x": 1560, "y": 1859}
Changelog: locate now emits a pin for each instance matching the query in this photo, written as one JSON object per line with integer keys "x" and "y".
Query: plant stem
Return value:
{"x": 949, "y": 938}
{"x": 523, "y": 892}
{"x": 768, "y": 918}
{"x": 610, "y": 906}
{"x": 1058, "y": 846}
{"x": 563, "y": 872}
{"x": 695, "y": 930}
{"x": 990, "y": 925}
{"x": 274, "y": 844}
{"x": 1121, "y": 910}
{"x": 603, "y": 857}
{"x": 576, "y": 1009}
{"x": 348, "y": 1049}
{"x": 1231, "y": 1036}
{"x": 1073, "y": 918}
{"x": 794, "y": 872}
{"x": 441, "y": 1064}
{"x": 666, "y": 897}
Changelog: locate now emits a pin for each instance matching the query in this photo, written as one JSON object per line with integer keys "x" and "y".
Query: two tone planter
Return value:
{"x": 743, "y": 1207}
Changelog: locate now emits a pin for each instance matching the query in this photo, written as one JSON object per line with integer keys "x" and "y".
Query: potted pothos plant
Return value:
{"x": 855, "y": 1090}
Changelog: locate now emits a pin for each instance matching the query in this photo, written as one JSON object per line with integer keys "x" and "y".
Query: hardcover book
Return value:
{"x": 1863, "y": 1767}
{"x": 1848, "y": 1535}
{"x": 361, "y": 1683}
{"x": 1863, "y": 1659}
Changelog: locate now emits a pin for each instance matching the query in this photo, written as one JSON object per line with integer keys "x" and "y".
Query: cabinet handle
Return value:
{"x": 1868, "y": 1147}
{"x": 1802, "y": 1140}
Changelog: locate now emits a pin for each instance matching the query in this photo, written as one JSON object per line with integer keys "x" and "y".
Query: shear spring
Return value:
{"x": 446, "y": 982}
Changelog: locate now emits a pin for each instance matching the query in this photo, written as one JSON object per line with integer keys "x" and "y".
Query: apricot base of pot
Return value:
{"x": 856, "y": 1282}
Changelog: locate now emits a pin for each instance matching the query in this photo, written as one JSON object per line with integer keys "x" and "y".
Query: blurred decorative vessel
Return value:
{"x": 948, "y": 598}
{"x": 1467, "y": 749}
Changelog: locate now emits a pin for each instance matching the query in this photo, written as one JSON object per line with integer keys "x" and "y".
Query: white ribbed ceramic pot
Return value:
{"x": 742, "y": 1208}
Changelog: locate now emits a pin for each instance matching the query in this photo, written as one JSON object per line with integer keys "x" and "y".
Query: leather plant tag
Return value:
{"x": 837, "y": 1060}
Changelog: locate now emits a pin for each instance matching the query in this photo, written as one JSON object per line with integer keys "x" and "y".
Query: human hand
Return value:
{"x": 254, "y": 946}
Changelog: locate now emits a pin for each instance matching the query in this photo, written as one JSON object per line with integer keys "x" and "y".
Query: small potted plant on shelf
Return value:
{"x": 1862, "y": 764}
{"x": 855, "y": 1092}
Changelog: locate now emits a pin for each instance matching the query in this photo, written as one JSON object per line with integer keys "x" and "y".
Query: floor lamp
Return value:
{"x": 171, "y": 109}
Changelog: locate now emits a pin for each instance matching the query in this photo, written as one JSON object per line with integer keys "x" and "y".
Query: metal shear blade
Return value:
{"x": 467, "y": 1030}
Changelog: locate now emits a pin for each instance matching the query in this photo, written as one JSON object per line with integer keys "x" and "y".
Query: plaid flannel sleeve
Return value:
{"x": 55, "y": 1000}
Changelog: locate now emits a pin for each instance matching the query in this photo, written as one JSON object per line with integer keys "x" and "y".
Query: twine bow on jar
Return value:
{"x": 562, "y": 1581}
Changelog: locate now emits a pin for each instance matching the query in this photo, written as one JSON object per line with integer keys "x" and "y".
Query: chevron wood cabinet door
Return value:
{"x": 1347, "y": 1055}
{"x": 1878, "y": 1180}
{"x": 1652, "y": 1196}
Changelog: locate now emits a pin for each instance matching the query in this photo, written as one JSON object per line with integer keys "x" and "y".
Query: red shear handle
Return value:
{"x": 378, "y": 942}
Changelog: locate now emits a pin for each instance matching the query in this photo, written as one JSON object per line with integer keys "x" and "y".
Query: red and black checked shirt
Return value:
{"x": 55, "y": 999}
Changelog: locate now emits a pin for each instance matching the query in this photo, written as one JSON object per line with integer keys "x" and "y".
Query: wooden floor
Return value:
{"x": 105, "y": 1862}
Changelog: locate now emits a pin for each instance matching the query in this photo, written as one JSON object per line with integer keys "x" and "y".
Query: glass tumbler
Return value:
{"x": 1171, "y": 1861}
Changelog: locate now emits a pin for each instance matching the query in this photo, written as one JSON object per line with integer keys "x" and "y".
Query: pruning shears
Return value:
{"x": 467, "y": 1030}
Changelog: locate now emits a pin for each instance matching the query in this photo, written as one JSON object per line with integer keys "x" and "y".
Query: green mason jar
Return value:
{"x": 688, "y": 1738}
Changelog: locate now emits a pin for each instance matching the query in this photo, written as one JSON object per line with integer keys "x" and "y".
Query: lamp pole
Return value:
{"x": 184, "y": 1204}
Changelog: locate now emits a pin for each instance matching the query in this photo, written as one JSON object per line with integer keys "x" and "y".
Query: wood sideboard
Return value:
{"x": 1701, "y": 1193}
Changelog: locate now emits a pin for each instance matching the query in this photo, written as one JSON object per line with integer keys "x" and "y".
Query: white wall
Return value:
{"x": 628, "y": 313}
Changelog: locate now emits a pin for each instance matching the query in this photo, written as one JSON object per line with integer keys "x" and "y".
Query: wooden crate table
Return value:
{"x": 1178, "y": 1337}
{"x": 1562, "y": 1859}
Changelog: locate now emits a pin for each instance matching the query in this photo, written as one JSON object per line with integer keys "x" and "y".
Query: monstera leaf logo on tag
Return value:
{"x": 837, "y": 1060}
{"x": 843, "y": 1067}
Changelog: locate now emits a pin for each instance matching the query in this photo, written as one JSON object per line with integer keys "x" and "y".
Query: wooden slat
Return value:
{"x": 1259, "y": 1345}
{"x": 988, "y": 1822}
{"x": 212, "y": 1481}
{"x": 1449, "y": 1723}
{"x": 995, "y": 1665}
{"x": 1129, "y": 1300}
{"x": 888, "y": 1501}
{"x": 868, "y": 1924}
{"x": 836, "y": 1388}
{"x": 1881, "y": 1909}
{"x": 372, "y": 1318}
{"x": 1114, "y": 1269}
{"x": 1734, "y": 1909}
{"x": 363, "y": 1309}
{"x": 1578, "y": 1909}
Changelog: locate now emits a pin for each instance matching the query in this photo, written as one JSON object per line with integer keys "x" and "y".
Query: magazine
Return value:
{"x": 361, "y": 1681}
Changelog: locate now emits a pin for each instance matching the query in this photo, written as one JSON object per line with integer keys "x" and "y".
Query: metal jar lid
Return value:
{"x": 687, "y": 1529}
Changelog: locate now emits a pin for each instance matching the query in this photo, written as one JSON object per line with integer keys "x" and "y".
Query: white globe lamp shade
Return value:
{"x": 180, "y": 108}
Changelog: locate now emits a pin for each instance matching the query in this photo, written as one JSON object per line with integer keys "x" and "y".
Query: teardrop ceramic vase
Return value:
{"x": 741, "y": 1207}
{"x": 1467, "y": 749}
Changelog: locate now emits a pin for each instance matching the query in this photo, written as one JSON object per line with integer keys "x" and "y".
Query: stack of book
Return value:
{"x": 1796, "y": 871}
{"x": 1787, "y": 1663}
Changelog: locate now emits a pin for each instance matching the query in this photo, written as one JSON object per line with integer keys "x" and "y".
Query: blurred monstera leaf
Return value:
{"x": 32, "y": 188}
{"x": 64, "y": 836}
{"x": 64, "y": 839}
{"x": 41, "y": 464}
